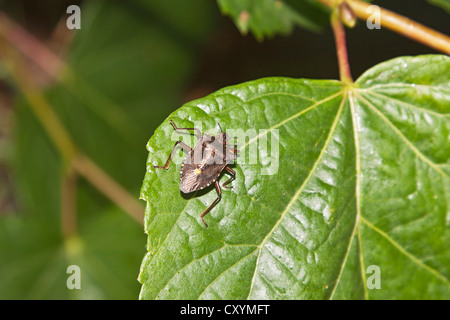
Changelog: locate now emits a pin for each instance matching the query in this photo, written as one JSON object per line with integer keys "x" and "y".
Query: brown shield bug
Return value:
{"x": 204, "y": 163}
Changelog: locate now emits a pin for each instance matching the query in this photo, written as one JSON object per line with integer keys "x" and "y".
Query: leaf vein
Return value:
{"x": 409, "y": 105}
{"x": 291, "y": 118}
{"x": 300, "y": 190}
{"x": 358, "y": 186}
{"x": 403, "y": 85}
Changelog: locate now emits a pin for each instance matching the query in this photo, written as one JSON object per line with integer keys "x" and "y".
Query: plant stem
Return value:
{"x": 398, "y": 23}
{"x": 341, "y": 48}
{"x": 404, "y": 26}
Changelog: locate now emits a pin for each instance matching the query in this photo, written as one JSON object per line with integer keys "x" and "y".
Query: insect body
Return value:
{"x": 204, "y": 163}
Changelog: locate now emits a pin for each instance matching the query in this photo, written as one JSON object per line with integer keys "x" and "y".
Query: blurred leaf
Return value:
{"x": 444, "y": 4}
{"x": 35, "y": 259}
{"x": 126, "y": 77}
{"x": 190, "y": 21}
{"x": 363, "y": 180}
{"x": 266, "y": 18}
{"x": 34, "y": 253}
{"x": 126, "y": 73}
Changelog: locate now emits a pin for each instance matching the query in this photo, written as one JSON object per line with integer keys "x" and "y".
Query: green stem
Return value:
{"x": 341, "y": 48}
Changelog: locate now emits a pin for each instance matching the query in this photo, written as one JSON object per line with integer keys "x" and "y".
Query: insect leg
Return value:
{"x": 199, "y": 134}
{"x": 219, "y": 196}
{"x": 183, "y": 145}
{"x": 233, "y": 173}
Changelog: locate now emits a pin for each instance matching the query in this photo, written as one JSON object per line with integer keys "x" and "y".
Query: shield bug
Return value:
{"x": 204, "y": 163}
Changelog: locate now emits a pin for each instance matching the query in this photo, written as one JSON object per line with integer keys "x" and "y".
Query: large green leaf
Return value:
{"x": 363, "y": 180}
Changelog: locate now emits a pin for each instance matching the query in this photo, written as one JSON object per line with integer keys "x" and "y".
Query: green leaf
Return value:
{"x": 363, "y": 181}
{"x": 35, "y": 255}
{"x": 265, "y": 18}
{"x": 444, "y": 4}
